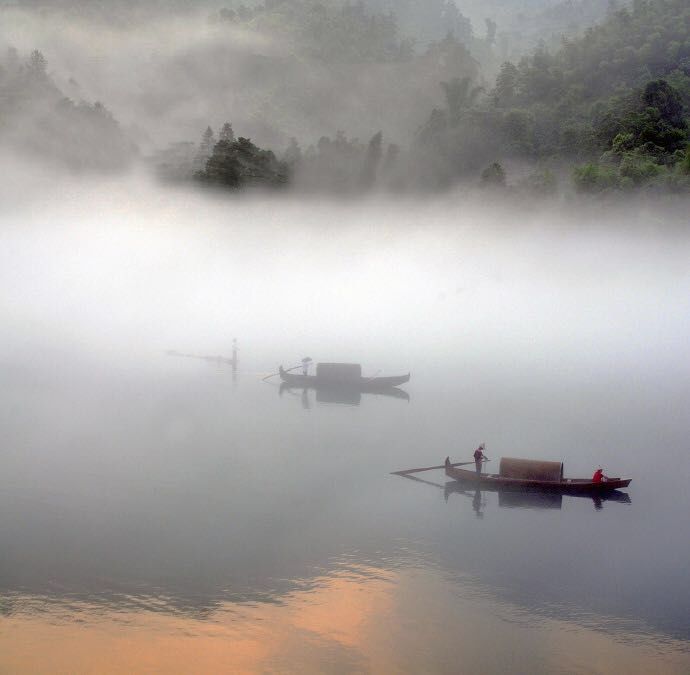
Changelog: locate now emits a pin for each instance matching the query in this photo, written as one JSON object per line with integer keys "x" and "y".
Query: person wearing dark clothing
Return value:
{"x": 479, "y": 458}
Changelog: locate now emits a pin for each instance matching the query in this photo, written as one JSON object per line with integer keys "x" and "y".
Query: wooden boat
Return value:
{"x": 551, "y": 481}
{"x": 344, "y": 375}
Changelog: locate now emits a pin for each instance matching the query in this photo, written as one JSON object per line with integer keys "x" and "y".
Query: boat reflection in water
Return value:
{"x": 527, "y": 499}
{"x": 338, "y": 395}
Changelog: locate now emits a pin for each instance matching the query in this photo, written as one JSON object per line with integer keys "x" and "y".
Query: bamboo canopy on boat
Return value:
{"x": 530, "y": 469}
{"x": 339, "y": 371}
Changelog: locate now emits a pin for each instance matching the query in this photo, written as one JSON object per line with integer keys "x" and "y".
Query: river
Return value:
{"x": 165, "y": 512}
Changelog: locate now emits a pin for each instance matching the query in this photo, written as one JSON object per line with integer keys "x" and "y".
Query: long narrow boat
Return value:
{"x": 331, "y": 377}
{"x": 562, "y": 485}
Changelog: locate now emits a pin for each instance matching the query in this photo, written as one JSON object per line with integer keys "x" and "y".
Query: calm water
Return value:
{"x": 164, "y": 513}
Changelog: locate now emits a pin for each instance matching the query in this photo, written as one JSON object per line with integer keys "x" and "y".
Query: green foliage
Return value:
{"x": 638, "y": 169}
{"x": 684, "y": 163}
{"x": 679, "y": 79}
{"x": 602, "y": 99}
{"x": 607, "y": 83}
{"x": 635, "y": 170}
{"x": 652, "y": 118}
{"x": 631, "y": 46}
{"x": 592, "y": 178}
{"x": 661, "y": 96}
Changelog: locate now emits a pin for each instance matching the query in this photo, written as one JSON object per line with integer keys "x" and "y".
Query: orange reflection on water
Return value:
{"x": 323, "y": 627}
{"x": 362, "y": 620}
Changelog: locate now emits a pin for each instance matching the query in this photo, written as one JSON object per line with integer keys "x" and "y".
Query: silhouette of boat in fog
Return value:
{"x": 344, "y": 376}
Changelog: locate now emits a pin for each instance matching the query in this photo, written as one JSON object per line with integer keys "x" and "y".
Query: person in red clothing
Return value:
{"x": 599, "y": 476}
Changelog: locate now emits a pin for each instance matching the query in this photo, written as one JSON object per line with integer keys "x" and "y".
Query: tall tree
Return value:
{"x": 226, "y": 133}
{"x": 37, "y": 64}
{"x": 506, "y": 85}
{"x": 206, "y": 145}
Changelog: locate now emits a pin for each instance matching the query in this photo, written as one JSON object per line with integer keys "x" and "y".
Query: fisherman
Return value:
{"x": 599, "y": 476}
{"x": 306, "y": 362}
{"x": 479, "y": 457}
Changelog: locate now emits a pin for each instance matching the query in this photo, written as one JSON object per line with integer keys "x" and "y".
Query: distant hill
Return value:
{"x": 38, "y": 121}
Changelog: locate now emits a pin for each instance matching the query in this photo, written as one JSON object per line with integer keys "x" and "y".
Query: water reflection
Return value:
{"x": 356, "y": 618}
{"x": 333, "y": 394}
{"x": 525, "y": 499}
{"x": 528, "y": 499}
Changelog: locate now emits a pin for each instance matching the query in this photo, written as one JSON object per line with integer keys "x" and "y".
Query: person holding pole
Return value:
{"x": 306, "y": 362}
{"x": 479, "y": 457}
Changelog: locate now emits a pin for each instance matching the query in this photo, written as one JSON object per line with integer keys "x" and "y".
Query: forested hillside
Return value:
{"x": 332, "y": 96}
{"x": 617, "y": 99}
{"x": 38, "y": 120}
{"x": 606, "y": 111}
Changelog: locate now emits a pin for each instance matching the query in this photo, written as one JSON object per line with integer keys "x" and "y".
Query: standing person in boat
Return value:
{"x": 306, "y": 362}
{"x": 479, "y": 457}
{"x": 599, "y": 476}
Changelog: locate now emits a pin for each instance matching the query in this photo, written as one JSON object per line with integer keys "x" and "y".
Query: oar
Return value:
{"x": 263, "y": 379}
{"x": 429, "y": 468}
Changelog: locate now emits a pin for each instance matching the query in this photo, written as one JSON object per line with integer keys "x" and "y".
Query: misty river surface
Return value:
{"x": 165, "y": 512}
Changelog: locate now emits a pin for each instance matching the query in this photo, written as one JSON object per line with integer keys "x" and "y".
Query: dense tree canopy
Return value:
{"x": 609, "y": 108}
{"x": 237, "y": 163}
{"x": 617, "y": 97}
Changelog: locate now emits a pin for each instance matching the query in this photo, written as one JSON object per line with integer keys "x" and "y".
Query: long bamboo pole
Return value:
{"x": 263, "y": 379}
{"x": 429, "y": 468}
